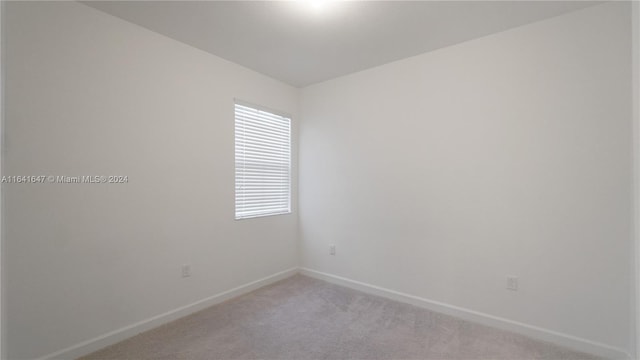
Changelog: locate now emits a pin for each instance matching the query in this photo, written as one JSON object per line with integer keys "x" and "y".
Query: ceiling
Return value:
{"x": 306, "y": 42}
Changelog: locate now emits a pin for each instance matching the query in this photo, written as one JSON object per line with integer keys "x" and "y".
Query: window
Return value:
{"x": 263, "y": 162}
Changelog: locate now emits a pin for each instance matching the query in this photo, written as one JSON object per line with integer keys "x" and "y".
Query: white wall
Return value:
{"x": 441, "y": 174}
{"x": 2, "y": 302}
{"x": 89, "y": 94}
{"x": 635, "y": 328}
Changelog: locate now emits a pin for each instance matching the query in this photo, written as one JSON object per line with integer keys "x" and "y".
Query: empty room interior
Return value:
{"x": 320, "y": 180}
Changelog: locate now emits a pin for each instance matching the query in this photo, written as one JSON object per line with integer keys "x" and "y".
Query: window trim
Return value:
{"x": 283, "y": 114}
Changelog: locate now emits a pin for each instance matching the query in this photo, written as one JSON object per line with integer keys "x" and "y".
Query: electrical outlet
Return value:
{"x": 332, "y": 249}
{"x": 186, "y": 270}
{"x": 512, "y": 283}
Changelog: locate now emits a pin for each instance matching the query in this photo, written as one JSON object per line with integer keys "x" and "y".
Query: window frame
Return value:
{"x": 289, "y": 182}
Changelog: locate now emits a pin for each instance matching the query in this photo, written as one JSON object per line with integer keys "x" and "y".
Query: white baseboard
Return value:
{"x": 569, "y": 341}
{"x": 97, "y": 343}
{"x": 551, "y": 336}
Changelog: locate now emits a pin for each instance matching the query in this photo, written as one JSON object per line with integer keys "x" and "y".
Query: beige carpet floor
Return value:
{"x": 304, "y": 318}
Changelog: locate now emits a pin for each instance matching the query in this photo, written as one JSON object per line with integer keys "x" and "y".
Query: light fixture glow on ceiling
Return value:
{"x": 317, "y": 4}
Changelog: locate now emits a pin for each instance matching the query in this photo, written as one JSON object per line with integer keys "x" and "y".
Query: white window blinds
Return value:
{"x": 263, "y": 162}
